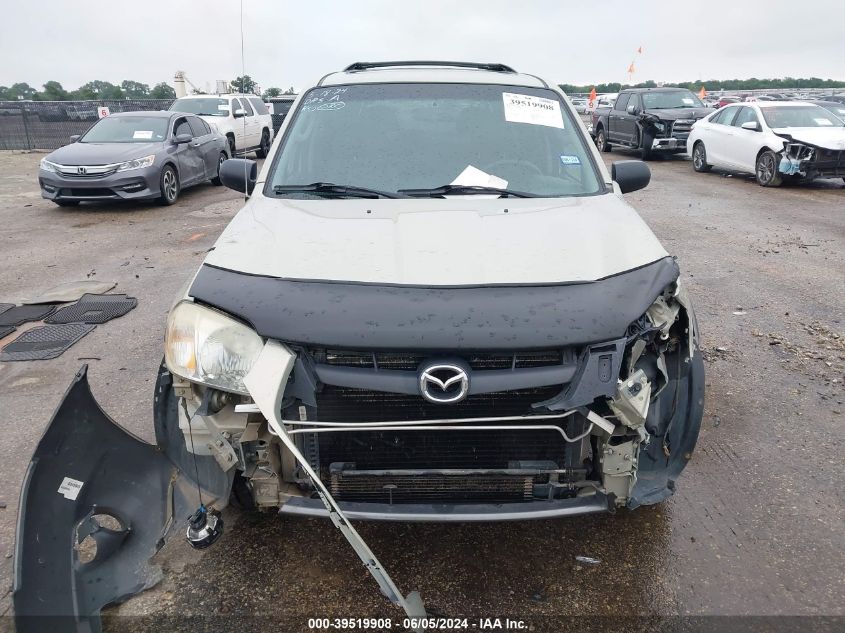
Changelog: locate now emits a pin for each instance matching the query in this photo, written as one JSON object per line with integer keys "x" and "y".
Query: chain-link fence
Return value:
{"x": 50, "y": 124}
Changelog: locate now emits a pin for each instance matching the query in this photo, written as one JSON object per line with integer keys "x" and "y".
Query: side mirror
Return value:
{"x": 183, "y": 138}
{"x": 754, "y": 126}
{"x": 630, "y": 175}
{"x": 632, "y": 109}
{"x": 239, "y": 174}
{"x": 74, "y": 138}
{"x": 240, "y": 112}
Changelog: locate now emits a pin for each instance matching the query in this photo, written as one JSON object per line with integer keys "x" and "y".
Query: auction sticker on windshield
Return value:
{"x": 534, "y": 110}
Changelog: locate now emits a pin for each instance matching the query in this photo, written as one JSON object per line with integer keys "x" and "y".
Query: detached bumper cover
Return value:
{"x": 86, "y": 465}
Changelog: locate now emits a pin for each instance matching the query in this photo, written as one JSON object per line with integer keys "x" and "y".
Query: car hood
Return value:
{"x": 673, "y": 114}
{"x": 828, "y": 138}
{"x": 101, "y": 153}
{"x": 437, "y": 242}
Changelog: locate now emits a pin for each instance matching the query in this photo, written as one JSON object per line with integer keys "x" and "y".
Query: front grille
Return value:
{"x": 380, "y": 450}
{"x": 410, "y": 361}
{"x": 414, "y": 488}
{"x": 681, "y": 128}
{"x": 88, "y": 193}
{"x": 344, "y": 404}
{"x": 74, "y": 174}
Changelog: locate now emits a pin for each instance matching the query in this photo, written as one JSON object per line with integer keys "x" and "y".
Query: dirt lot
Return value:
{"x": 756, "y": 527}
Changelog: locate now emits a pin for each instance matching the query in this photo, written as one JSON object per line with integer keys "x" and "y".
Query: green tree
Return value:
{"x": 98, "y": 90}
{"x": 272, "y": 92}
{"x": 290, "y": 91}
{"x": 53, "y": 91}
{"x": 162, "y": 91}
{"x": 135, "y": 89}
{"x": 20, "y": 90}
{"x": 243, "y": 84}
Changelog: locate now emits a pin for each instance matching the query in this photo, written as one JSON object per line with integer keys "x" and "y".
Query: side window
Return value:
{"x": 247, "y": 107}
{"x": 745, "y": 115}
{"x": 726, "y": 115}
{"x": 259, "y": 106}
{"x": 236, "y": 105}
{"x": 197, "y": 126}
{"x": 636, "y": 101}
{"x": 622, "y": 101}
{"x": 182, "y": 127}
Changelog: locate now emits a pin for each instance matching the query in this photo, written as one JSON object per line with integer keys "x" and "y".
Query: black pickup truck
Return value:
{"x": 649, "y": 120}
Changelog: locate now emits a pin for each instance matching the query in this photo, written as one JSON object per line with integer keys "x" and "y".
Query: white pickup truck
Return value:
{"x": 243, "y": 119}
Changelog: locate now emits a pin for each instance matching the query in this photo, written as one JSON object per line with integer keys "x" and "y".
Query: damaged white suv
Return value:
{"x": 436, "y": 306}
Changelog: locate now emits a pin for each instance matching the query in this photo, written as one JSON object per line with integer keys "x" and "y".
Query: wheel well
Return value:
{"x": 599, "y": 126}
{"x": 172, "y": 164}
{"x": 765, "y": 149}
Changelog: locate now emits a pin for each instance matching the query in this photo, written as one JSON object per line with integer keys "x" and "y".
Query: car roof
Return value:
{"x": 430, "y": 72}
{"x": 163, "y": 114}
{"x": 770, "y": 104}
{"x": 661, "y": 89}
{"x": 224, "y": 95}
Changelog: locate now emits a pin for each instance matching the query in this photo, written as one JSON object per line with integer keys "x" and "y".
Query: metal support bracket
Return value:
{"x": 266, "y": 384}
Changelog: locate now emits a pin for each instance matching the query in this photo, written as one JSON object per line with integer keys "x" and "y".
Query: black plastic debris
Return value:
{"x": 18, "y": 315}
{"x": 94, "y": 309}
{"x": 5, "y": 330}
{"x": 45, "y": 342}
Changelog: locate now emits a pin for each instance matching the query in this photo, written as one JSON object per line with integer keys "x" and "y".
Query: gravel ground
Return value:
{"x": 756, "y": 527}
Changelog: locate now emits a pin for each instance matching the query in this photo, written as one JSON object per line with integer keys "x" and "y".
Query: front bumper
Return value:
{"x": 455, "y": 512}
{"x": 136, "y": 184}
{"x": 669, "y": 144}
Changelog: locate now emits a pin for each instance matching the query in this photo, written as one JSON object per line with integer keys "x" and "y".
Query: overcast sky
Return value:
{"x": 294, "y": 43}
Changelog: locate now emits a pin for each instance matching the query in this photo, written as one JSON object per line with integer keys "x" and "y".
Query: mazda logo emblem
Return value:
{"x": 444, "y": 383}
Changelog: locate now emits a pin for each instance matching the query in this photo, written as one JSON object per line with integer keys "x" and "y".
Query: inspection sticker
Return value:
{"x": 143, "y": 134}
{"x": 569, "y": 160}
{"x": 70, "y": 488}
{"x": 534, "y": 110}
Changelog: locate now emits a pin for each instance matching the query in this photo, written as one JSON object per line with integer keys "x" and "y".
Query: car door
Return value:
{"x": 744, "y": 144}
{"x": 188, "y": 156}
{"x": 620, "y": 122}
{"x": 717, "y": 137}
{"x": 239, "y": 125}
{"x": 204, "y": 143}
{"x": 253, "y": 126}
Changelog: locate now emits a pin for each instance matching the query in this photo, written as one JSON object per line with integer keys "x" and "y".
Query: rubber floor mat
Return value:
{"x": 21, "y": 314}
{"x": 45, "y": 342}
{"x": 94, "y": 309}
{"x": 6, "y": 306}
{"x": 5, "y": 330}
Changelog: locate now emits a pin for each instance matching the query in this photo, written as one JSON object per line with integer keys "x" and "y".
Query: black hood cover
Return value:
{"x": 357, "y": 315}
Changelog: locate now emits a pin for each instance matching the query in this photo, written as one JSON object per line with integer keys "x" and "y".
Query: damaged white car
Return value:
{"x": 436, "y": 306}
{"x": 774, "y": 140}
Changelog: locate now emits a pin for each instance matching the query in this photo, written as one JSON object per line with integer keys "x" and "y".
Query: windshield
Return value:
{"x": 799, "y": 116}
{"x": 210, "y": 106}
{"x": 668, "y": 99}
{"x": 127, "y": 129}
{"x": 389, "y": 137}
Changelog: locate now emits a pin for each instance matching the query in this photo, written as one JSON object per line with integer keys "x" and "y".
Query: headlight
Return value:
{"x": 46, "y": 165}
{"x": 138, "y": 163}
{"x": 208, "y": 347}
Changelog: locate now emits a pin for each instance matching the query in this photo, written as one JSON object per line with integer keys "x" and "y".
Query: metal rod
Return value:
{"x": 355, "y": 427}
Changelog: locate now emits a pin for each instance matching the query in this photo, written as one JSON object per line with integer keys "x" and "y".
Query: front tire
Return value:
{"x": 601, "y": 140}
{"x": 766, "y": 170}
{"x": 220, "y": 160}
{"x": 168, "y": 186}
{"x": 644, "y": 142}
{"x": 699, "y": 158}
{"x": 261, "y": 152}
{"x": 231, "y": 140}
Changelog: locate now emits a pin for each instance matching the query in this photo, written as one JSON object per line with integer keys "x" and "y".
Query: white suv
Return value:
{"x": 243, "y": 119}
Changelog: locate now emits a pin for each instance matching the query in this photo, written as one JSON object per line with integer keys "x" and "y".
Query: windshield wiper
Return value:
{"x": 462, "y": 190}
{"x": 333, "y": 189}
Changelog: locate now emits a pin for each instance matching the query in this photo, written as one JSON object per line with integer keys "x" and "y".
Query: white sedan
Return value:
{"x": 772, "y": 140}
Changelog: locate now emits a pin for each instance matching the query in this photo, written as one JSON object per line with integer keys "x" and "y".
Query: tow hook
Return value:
{"x": 204, "y": 527}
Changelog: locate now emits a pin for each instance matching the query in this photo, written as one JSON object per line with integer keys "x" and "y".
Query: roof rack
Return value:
{"x": 496, "y": 68}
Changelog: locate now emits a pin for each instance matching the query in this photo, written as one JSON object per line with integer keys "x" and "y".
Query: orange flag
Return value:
{"x": 702, "y": 93}
{"x": 631, "y": 69}
{"x": 593, "y": 94}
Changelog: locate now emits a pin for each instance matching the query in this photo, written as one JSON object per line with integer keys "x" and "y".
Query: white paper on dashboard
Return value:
{"x": 474, "y": 177}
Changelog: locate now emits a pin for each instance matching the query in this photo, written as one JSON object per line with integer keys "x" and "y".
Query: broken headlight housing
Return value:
{"x": 208, "y": 347}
